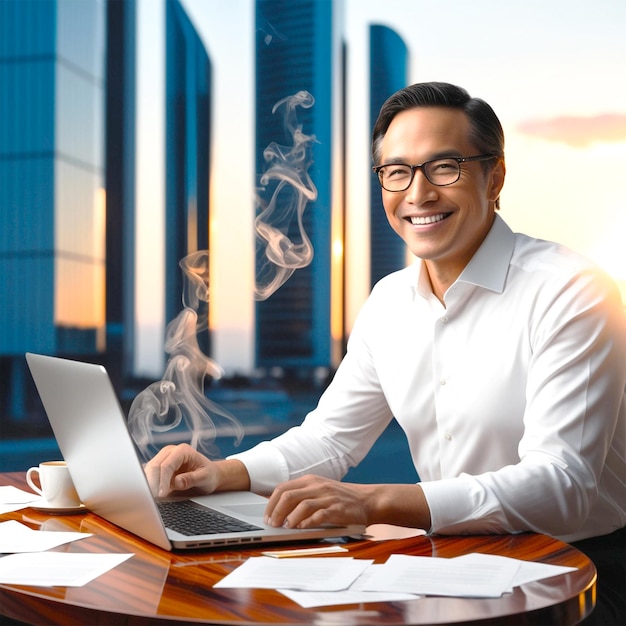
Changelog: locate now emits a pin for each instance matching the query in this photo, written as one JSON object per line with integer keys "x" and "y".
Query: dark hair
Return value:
{"x": 486, "y": 131}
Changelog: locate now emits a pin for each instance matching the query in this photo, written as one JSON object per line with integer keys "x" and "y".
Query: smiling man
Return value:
{"x": 444, "y": 215}
{"x": 502, "y": 357}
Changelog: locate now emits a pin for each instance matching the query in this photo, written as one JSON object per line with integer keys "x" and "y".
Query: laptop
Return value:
{"x": 92, "y": 433}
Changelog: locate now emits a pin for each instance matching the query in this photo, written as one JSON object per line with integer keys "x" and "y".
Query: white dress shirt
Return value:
{"x": 512, "y": 396}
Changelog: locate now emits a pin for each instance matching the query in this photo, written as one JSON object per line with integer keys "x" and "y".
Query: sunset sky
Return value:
{"x": 552, "y": 70}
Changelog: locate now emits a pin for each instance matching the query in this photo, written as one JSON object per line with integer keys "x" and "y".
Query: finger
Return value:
{"x": 166, "y": 467}
{"x": 292, "y": 502}
{"x": 309, "y": 513}
{"x": 277, "y": 509}
{"x": 153, "y": 470}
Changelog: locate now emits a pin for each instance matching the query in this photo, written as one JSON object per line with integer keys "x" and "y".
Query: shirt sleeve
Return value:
{"x": 350, "y": 416}
{"x": 574, "y": 399}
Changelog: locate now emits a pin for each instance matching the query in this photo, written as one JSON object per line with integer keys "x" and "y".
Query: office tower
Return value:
{"x": 52, "y": 240}
{"x": 388, "y": 73}
{"x": 187, "y": 142}
{"x": 297, "y": 49}
{"x": 120, "y": 158}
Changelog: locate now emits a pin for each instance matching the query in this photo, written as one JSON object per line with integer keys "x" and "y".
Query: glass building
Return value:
{"x": 187, "y": 141}
{"x": 388, "y": 73}
{"x": 52, "y": 183}
{"x": 296, "y": 50}
{"x": 68, "y": 169}
{"x": 120, "y": 156}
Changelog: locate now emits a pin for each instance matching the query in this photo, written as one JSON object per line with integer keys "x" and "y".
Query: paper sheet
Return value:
{"x": 462, "y": 578}
{"x": 528, "y": 571}
{"x": 56, "y": 569}
{"x": 306, "y": 574}
{"x": 353, "y": 595}
{"x": 16, "y": 537}
{"x": 14, "y": 499}
{"x": 331, "y": 581}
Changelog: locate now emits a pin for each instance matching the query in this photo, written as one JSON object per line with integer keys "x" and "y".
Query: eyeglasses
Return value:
{"x": 440, "y": 172}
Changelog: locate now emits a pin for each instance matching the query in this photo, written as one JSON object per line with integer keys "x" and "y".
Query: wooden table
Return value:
{"x": 159, "y": 587}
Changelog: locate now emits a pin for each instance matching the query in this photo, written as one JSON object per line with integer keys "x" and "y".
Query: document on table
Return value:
{"x": 14, "y": 499}
{"x": 468, "y": 576}
{"x": 354, "y": 595}
{"x": 16, "y": 537}
{"x": 528, "y": 571}
{"x": 305, "y": 574}
{"x": 56, "y": 569}
{"x": 444, "y": 577}
{"x": 330, "y": 581}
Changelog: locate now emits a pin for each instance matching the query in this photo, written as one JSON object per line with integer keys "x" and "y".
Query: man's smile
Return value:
{"x": 428, "y": 219}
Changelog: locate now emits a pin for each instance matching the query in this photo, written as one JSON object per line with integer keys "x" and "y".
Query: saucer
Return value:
{"x": 44, "y": 507}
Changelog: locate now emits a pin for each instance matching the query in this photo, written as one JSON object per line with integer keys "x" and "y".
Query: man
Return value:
{"x": 502, "y": 357}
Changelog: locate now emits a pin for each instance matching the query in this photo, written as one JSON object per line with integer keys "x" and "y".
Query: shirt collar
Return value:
{"x": 488, "y": 267}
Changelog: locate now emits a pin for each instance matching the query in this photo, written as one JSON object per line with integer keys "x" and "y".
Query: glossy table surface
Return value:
{"x": 160, "y": 587}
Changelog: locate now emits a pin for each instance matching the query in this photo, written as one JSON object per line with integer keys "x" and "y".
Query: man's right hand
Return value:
{"x": 181, "y": 468}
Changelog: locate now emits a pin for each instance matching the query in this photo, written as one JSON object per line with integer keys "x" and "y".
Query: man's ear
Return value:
{"x": 496, "y": 181}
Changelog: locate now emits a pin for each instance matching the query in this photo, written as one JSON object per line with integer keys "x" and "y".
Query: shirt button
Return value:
{"x": 448, "y": 437}
{"x": 444, "y": 320}
{"x": 442, "y": 381}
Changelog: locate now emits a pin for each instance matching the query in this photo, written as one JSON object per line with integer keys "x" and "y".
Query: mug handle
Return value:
{"x": 30, "y": 482}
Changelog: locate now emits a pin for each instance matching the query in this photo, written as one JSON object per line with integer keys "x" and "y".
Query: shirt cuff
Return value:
{"x": 462, "y": 505}
{"x": 266, "y": 467}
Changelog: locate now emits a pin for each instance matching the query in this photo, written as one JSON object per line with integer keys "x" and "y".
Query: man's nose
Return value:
{"x": 421, "y": 189}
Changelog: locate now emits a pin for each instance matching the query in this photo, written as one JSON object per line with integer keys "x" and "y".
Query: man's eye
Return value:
{"x": 395, "y": 173}
{"x": 441, "y": 167}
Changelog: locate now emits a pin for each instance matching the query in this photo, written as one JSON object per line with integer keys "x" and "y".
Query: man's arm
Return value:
{"x": 312, "y": 501}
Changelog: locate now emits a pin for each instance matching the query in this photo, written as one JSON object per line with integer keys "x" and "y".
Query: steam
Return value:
{"x": 287, "y": 172}
{"x": 178, "y": 401}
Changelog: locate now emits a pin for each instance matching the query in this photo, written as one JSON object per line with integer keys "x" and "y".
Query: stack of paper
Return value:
{"x": 325, "y": 581}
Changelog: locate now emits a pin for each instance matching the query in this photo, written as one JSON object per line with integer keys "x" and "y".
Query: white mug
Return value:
{"x": 56, "y": 483}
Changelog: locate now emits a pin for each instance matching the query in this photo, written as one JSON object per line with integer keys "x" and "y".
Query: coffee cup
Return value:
{"x": 55, "y": 484}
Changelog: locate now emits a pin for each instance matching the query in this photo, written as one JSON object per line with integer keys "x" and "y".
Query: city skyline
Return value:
{"x": 550, "y": 70}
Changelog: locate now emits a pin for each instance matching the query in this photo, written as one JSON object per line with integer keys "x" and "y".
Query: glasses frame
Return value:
{"x": 377, "y": 168}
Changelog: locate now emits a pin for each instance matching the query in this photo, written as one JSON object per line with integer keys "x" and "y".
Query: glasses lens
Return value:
{"x": 442, "y": 171}
{"x": 395, "y": 177}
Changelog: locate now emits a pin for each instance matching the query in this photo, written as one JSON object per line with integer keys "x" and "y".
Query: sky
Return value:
{"x": 553, "y": 70}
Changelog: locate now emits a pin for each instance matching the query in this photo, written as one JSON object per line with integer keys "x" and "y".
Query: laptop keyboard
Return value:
{"x": 189, "y": 519}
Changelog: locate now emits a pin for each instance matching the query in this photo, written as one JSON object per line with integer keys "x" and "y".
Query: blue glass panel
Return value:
{"x": 27, "y": 107}
{"x": 80, "y": 32}
{"x": 27, "y": 28}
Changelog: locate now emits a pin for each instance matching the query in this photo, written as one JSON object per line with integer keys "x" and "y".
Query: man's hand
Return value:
{"x": 312, "y": 501}
{"x": 181, "y": 468}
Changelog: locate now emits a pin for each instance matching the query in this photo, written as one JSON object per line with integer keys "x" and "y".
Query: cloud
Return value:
{"x": 579, "y": 132}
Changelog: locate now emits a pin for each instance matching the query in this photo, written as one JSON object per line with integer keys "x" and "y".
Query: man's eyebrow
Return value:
{"x": 444, "y": 154}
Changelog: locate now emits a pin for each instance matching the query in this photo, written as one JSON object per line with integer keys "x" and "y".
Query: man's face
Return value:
{"x": 460, "y": 215}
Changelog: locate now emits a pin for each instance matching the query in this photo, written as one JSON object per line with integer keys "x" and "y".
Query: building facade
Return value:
{"x": 300, "y": 52}
{"x": 52, "y": 184}
{"x": 388, "y": 72}
{"x": 68, "y": 190}
{"x": 187, "y": 149}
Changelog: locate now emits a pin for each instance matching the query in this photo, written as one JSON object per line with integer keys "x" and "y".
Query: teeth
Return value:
{"x": 431, "y": 219}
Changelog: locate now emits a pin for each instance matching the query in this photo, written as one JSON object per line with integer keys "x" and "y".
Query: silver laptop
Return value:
{"x": 93, "y": 436}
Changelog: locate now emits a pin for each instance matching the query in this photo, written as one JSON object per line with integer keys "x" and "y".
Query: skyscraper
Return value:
{"x": 388, "y": 73}
{"x": 188, "y": 139}
{"x": 121, "y": 57}
{"x": 297, "y": 49}
{"x": 52, "y": 241}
